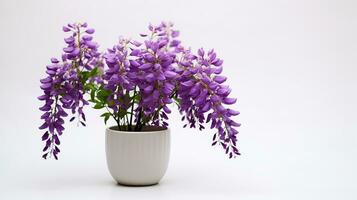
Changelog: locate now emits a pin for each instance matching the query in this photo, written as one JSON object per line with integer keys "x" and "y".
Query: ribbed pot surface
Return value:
{"x": 138, "y": 158}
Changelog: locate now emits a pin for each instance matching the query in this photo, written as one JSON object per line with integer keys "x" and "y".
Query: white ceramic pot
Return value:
{"x": 138, "y": 158}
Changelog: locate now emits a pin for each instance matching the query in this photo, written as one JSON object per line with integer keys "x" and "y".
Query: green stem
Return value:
{"x": 132, "y": 110}
{"x": 138, "y": 123}
{"x": 127, "y": 121}
{"x": 117, "y": 120}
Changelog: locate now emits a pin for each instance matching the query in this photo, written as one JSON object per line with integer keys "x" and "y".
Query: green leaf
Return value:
{"x": 102, "y": 95}
{"x": 94, "y": 72}
{"x": 94, "y": 101}
{"x": 106, "y": 117}
{"x": 92, "y": 95}
{"x": 84, "y": 76}
{"x": 98, "y": 106}
{"x": 137, "y": 98}
{"x": 105, "y": 114}
{"x": 90, "y": 87}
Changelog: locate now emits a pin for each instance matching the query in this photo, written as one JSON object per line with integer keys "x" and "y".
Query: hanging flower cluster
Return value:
{"x": 63, "y": 88}
{"x": 201, "y": 91}
{"x": 135, "y": 82}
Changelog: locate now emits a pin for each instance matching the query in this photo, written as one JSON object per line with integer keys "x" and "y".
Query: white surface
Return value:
{"x": 292, "y": 65}
{"x": 137, "y": 158}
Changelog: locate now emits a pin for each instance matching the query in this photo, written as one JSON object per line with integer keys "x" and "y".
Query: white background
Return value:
{"x": 291, "y": 64}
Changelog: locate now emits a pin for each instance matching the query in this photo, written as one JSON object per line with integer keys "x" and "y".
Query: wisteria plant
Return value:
{"x": 134, "y": 82}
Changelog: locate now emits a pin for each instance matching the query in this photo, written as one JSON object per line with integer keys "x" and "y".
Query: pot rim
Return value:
{"x": 161, "y": 130}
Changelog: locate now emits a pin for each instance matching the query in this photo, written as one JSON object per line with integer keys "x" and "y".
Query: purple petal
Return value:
{"x": 42, "y": 97}
{"x": 220, "y": 108}
{"x": 217, "y": 63}
{"x": 87, "y": 37}
{"x": 150, "y": 77}
{"x": 157, "y": 66}
{"x": 229, "y": 101}
{"x": 170, "y": 74}
{"x": 45, "y": 108}
{"x": 69, "y": 40}
{"x": 213, "y": 85}
{"x": 155, "y": 94}
{"x": 135, "y": 43}
{"x": 151, "y": 27}
{"x": 201, "y": 52}
{"x": 45, "y": 136}
{"x": 218, "y": 70}
{"x": 59, "y": 129}
{"x": 212, "y": 56}
{"x": 162, "y": 43}
{"x": 206, "y": 107}
{"x": 66, "y": 29}
{"x": 57, "y": 141}
{"x": 68, "y": 49}
{"x": 149, "y": 58}
{"x": 148, "y": 99}
{"x": 50, "y": 72}
{"x": 160, "y": 76}
{"x": 233, "y": 112}
{"x": 175, "y": 43}
{"x": 46, "y": 80}
{"x": 54, "y": 60}
{"x": 52, "y": 67}
{"x": 195, "y": 90}
{"x": 90, "y": 31}
{"x": 146, "y": 66}
{"x": 46, "y": 86}
{"x": 135, "y": 52}
{"x": 72, "y": 119}
{"x": 43, "y": 126}
{"x": 45, "y": 115}
{"x": 148, "y": 89}
{"x": 214, "y": 98}
{"x": 175, "y": 33}
{"x": 220, "y": 79}
{"x": 91, "y": 44}
{"x": 233, "y": 123}
{"x": 57, "y": 149}
{"x": 188, "y": 83}
{"x": 75, "y": 52}
{"x": 168, "y": 87}
{"x": 166, "y": 109}
{"x": 134, "y": 63}
{"x": 224, "y": 91}
{"x": 62, "y": 113}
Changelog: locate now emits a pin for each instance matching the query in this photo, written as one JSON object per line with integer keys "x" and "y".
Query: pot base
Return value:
{"x": 137, "y": 185}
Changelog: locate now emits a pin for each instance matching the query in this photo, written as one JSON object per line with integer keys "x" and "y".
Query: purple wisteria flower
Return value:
{"x": 63, "y": 88}
{"x": 135, "y": 82}
{"x": 155, "y": 75}
{"x": 201, "y": 91}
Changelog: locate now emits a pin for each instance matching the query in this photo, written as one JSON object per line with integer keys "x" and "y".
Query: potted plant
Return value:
{"x": 134, "y": 83}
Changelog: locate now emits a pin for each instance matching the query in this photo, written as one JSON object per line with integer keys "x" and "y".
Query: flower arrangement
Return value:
{"x": 134, "y": 83}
